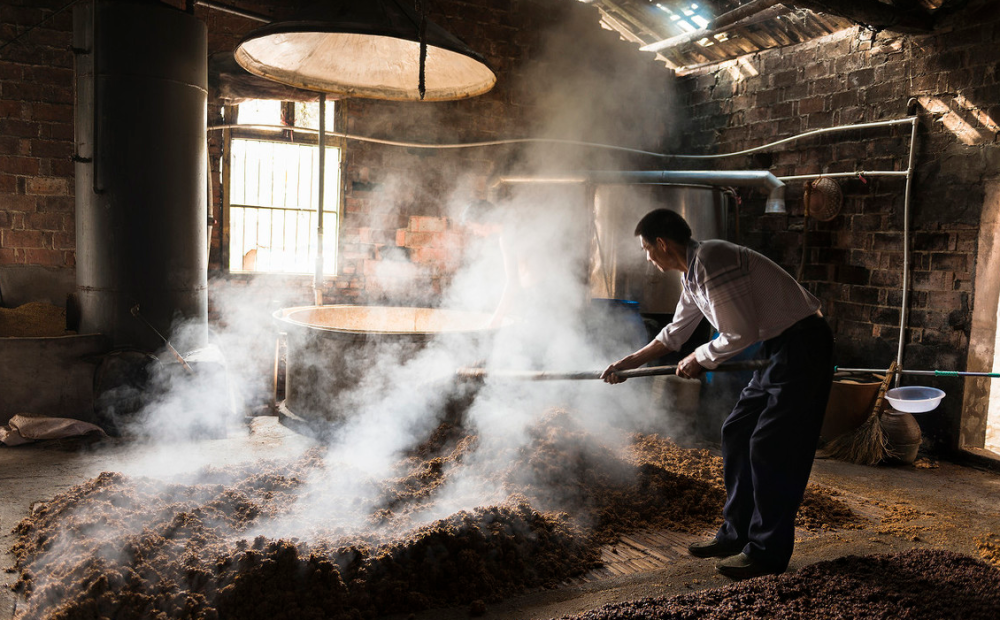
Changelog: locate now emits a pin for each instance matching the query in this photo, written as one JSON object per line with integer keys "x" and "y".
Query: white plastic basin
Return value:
{"x": 914, "y": 398}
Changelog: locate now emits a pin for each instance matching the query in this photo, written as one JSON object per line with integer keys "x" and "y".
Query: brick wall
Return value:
{"x": 36, "y": 136}
{"x": 855, "y": 261}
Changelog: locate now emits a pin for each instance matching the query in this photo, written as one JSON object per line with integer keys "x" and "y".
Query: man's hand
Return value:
{"x": 689, "y": 368}
{"x": 649, "y": 352}
{"x": 609, "y": 375}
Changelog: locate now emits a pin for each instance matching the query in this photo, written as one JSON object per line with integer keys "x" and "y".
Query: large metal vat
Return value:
{"x": 619, "y": 269}
{"x": 141, "y": 204}
{"x": 332, "y": 350}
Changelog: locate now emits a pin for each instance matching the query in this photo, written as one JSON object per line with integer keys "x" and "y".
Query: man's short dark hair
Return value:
{"x": 663, "y": 224}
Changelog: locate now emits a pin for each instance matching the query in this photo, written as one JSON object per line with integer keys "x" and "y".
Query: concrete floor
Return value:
{"x": 942, "y": 507}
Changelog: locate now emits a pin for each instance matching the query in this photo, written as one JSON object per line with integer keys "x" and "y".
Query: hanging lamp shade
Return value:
{"x": 365, "y": 48}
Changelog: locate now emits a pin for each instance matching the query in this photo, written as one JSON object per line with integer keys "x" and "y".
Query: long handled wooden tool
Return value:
{"x": 648, "y": 371}
{"x": 170, "y": 347}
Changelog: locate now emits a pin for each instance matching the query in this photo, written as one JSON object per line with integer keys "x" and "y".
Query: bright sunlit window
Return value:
{"x": 273, "y": 190}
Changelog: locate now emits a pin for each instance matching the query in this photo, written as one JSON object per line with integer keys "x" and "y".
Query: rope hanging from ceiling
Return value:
{"x": 422, "y": 84}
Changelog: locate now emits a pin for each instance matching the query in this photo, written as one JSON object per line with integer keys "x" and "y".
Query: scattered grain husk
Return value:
{"x": 989, "y": 548}
{"x": 903, "y": 520}
{"x": 917, "y": 585}
{"x": 118, "y": 546}
{"x": 33, "y": 320}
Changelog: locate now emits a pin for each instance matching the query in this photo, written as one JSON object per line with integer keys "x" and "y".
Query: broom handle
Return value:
{"x": 649, "y": 371}
{"x": 929, "y": 373}
{"x": 882, "y": 388}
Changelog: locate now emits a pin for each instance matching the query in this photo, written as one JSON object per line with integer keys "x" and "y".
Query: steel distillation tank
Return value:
{"x": 619, "y": 269}
{"x": 141, "y": 180}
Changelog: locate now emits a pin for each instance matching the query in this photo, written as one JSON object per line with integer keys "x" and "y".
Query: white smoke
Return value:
{"x": 541, "y": 255}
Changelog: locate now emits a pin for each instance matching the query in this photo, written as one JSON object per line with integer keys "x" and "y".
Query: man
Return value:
{"x": 770, "y": 438}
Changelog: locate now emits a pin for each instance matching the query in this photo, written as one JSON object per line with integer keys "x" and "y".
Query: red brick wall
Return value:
{"x": 949, "y": 79}
{"x": 36, "y": 136}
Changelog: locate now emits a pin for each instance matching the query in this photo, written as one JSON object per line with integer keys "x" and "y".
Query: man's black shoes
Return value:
{"x": 742, "y": 566}
{"x": 714, "y": 548}
{"x": 733, "y": 563}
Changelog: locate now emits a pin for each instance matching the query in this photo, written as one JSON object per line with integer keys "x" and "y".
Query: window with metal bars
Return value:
{"x": 273, "y": 189}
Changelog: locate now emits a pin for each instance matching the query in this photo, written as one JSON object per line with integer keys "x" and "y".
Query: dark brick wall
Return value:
{"x": 949, "y": 79}
{"x": 36, "y": 136}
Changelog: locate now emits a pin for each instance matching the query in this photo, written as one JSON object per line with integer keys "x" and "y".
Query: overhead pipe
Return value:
{"x": 751, "y": 178}
{"x": 232, "y": 10}
{"x": 801, "y": 136}
{"x": 905, "y": 304}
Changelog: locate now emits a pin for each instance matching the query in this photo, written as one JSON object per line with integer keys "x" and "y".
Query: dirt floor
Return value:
{"x": 930, "y": 506}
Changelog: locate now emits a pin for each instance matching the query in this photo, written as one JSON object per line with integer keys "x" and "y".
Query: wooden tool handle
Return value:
{"x": 648, "y": 371}
{"x": 880, "y": 401}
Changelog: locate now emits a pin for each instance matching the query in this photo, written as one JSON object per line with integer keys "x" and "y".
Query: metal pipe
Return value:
{"x": 808, "y": 134}
{"x": 753, "y": 178}
{"x": 94, "y": 150}
{"x": 510, "y": 141}
{"x": 318, "y": 280}
{"x": 462, "y": 145}
{"x": 904, "y": 306}
{"x": 926, "y": 373}
{"x": 844, "y": 175}
{"x": 218, "y": 6}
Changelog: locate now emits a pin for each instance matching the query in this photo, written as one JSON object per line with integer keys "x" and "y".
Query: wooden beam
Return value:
{"x": 871, "y": 13}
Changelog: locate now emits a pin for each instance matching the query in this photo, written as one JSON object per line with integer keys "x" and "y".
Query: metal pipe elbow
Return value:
{"x": 776, "y": 200}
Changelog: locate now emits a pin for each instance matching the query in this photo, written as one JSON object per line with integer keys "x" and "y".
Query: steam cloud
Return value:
{"x": 553, "y": 324}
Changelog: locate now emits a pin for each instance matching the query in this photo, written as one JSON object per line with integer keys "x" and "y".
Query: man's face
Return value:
{"x": 655, "y": 252}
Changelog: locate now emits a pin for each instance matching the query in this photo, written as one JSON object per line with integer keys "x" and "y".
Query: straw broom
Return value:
{"x": 865, "y": 445}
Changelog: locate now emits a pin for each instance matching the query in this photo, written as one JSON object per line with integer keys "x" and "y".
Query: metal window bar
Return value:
{"x": 284, "y": 232}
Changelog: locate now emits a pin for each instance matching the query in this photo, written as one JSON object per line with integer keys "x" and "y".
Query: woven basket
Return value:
{"x": 823, "y": 199}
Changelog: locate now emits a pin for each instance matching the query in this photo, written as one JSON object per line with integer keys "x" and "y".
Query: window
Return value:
{"x": 273, "y": 189}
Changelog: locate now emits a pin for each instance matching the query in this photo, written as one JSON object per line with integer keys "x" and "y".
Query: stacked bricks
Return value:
{"x": 36, "y": 136}
{"x": 855, "y": 262}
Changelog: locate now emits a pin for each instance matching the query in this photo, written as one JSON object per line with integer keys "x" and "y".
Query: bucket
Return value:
{"x": 850, "y": 404}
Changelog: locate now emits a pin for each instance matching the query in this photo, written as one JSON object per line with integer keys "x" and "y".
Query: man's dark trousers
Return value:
{"x": 769, "y": 442}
